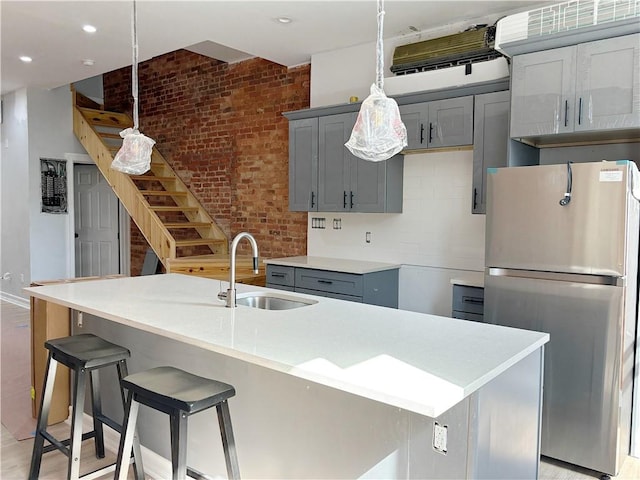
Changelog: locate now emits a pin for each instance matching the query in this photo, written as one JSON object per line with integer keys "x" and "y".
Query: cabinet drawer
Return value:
{"x": 280, "y": 275}
{"x": 476, "y": 317}
{"x": 468, "y": 299}
{"x": 339, "y": 296}
{"x": 334, "y": 282}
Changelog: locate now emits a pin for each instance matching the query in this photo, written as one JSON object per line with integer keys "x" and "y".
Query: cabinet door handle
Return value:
{"x": 344, "y": 199}
{"x": 580, "y": 112}
{"x": 351, "y": 200}
{"x": 473, "y": 300}
{"x": 421, "y": 133}
{"x": 566, "y": 112}
{"x": 278, "y": 275}
{"x": 475, "y": 198}
{"x": 326, "y": 282}
{"x": 313, "y": 199}
{"x": 430, "y": 133}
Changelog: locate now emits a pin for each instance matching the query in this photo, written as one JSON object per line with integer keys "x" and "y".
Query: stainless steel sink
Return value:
{"x": 272, "y": 301}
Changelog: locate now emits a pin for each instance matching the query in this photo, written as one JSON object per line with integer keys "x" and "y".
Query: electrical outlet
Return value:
{"x": 79, "y": 319}
{"x": 367, "y": 237}
{"x": 439, "y": 437}
{"x": 337, "y": 223}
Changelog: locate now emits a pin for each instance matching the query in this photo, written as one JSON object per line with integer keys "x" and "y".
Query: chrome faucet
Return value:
{"x": 230, "y": 295}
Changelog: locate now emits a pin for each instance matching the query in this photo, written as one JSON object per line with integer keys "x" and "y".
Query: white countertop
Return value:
{"x": 333, "y": 264}
{"x": 422, "y": 363}
{"x": 469, "y": 279}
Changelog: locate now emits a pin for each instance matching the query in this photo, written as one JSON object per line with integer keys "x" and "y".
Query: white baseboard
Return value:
{"x": 155, "y": 466}
{"x": 14, "y": 299}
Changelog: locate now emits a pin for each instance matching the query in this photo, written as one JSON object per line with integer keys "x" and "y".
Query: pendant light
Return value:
{"x": 378, "y": 133}
{"x": 134, "y": 157}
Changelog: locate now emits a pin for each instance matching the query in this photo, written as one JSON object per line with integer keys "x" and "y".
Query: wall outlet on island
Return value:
{"x": 439, "y": 437}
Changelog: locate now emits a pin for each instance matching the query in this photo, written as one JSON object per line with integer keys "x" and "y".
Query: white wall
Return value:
{"x": 435, "y": 238}
{"x": 50, "y": 136}
{"x": 35, "y": 245}
{"x": 14, "y": 195}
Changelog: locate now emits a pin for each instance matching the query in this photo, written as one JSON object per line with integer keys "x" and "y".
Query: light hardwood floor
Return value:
{"x": 15, "y": 456}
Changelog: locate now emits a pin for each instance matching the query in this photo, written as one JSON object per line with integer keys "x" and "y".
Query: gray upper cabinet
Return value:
{"x": 334, "y": 162}
{"x": 608, "y": 84}
{"x": 587, "y": 87}
{"x": 490, "y": 140}
{"x": 324, "y": 176}
{"x": 440, "y": 123}
{"x": 303, "y": 165}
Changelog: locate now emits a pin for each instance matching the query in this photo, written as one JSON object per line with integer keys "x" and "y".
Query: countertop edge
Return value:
{"x": 359, "y": 267}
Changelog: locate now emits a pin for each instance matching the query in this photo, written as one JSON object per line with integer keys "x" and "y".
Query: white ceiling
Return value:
{"x": 51, "y": 31}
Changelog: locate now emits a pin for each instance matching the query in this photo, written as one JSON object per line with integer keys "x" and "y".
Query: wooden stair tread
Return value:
{"x": 151, "y": 178}
{"x": 110, "y": 135}
{"x": 107, "y": 119}
{"x": 199, "y": 241}
{"x": 186, "y": 224}
{"x": 163, "y": 193}
{"x": 171, "y": 208}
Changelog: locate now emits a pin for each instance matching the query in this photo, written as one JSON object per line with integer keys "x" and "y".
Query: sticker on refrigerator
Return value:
{"x": 610, "y": 175}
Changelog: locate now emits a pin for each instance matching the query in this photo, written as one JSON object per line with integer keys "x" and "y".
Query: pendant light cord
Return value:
{"x": 379, "y": 49}
{"x": 134, "y": 66}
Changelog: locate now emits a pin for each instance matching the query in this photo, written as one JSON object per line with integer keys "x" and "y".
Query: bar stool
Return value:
{"x": 82, "y": 354}
{"x": 178, "y": 394}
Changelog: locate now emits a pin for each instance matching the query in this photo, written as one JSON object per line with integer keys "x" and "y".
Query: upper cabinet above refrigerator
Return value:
{"x": 559, "y": 95}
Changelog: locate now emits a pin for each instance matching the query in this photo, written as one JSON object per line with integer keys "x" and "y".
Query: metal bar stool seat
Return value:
{"x": 83, "y": 354}
{"x": 180, "y": 395}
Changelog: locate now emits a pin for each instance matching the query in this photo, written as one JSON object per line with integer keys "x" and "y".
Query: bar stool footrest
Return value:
{"x": 193, "y": 473}
{"x": 64, "y": 444}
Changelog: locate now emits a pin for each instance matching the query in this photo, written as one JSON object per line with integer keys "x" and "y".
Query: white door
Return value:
{"x": 96, "y": 224}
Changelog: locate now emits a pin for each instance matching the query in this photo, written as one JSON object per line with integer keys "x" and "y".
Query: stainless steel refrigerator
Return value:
{"x": 562, "y": 257}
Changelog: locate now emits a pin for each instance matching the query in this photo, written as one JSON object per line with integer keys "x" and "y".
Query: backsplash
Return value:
{"x": 436, "y": 228}
{"x": 436, "y": 238}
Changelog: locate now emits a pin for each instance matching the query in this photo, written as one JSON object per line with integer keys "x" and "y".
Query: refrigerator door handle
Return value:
{"x": 560, "y": 277}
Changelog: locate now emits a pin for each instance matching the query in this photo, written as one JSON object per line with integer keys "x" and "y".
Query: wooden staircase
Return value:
{"x": 178, "y": 229}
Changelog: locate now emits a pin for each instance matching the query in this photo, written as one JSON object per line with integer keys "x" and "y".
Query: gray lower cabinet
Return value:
{"x": 490, "y": 141}
{"x": 375, "y": 288}
{"x": 439, "y": 123}
{"x": 468, "y": 303}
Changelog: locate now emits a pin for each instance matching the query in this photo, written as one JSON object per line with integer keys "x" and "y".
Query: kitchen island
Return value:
{"x": 333, "y": 389}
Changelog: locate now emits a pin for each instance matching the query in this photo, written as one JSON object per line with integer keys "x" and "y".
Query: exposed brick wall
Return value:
{"x": 221, "y": 128}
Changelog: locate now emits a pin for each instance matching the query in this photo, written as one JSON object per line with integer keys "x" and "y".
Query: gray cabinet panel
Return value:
{"x": 334, "y": 162}
{"x": 303, "y": 165}
{"x": 441, "y": 123}
{"x": 334, "y": 282}
{"x": 542, "y": 99}
{"x": 339, "y": 296}
{"x": 608, "y": 84}
{"x": 468, "y": 303}
{"x": 591, "y": 87}
{"x": 490, "y": 141}
{"x": 451, "y": 122}
{"x": 280, "y": 275}
{"x": 415, "y": 116}
{"x": 375, "y": 288}
{"x": 347, "y": 183}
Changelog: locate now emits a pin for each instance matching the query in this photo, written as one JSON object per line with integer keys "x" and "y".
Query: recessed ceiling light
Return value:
{"x": 87, "y": 62}
{"x": 89, "y": 28}
{"x": 284, "y": 20}
{"x": 26, "y": 59}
